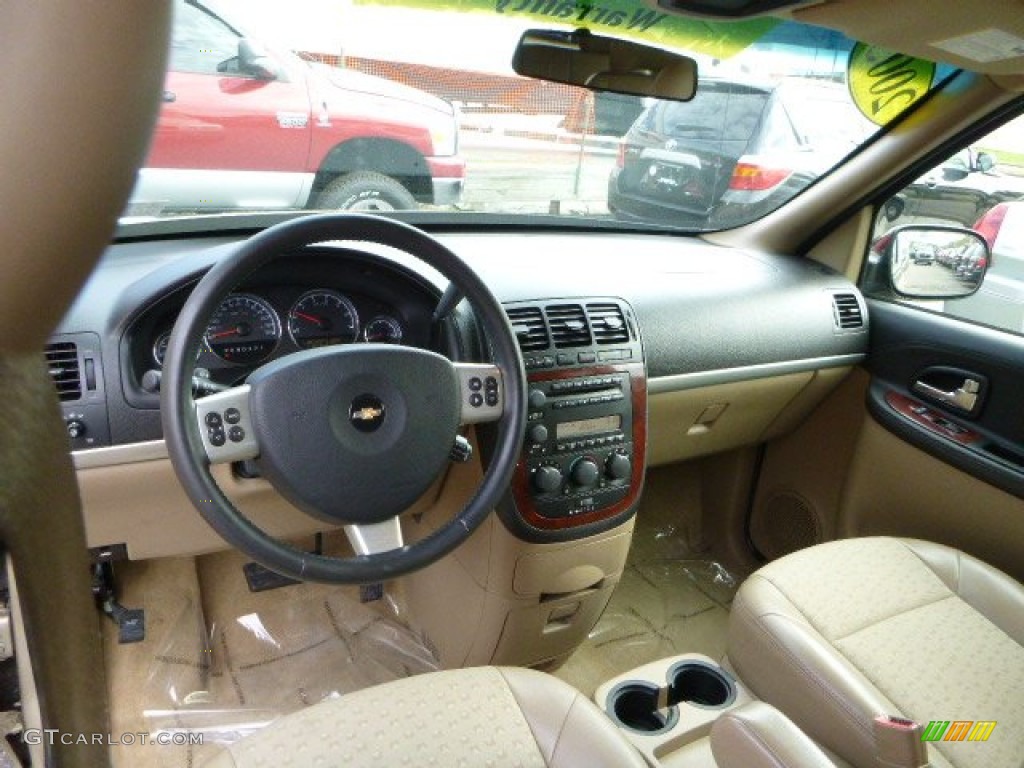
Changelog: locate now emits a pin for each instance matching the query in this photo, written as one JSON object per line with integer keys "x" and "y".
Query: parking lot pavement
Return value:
{"x": 525, "y": 175}
{"x": 932, "y": 279}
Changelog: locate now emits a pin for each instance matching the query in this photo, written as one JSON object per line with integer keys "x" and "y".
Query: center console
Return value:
{"x": 667, "y": 708}
{"x": 535, "y": 581}
{"x": 582, "y": 462}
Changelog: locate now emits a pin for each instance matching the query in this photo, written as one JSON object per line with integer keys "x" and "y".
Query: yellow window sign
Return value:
{"x": 883, "y": 84}
{"x": 628, "y": 18}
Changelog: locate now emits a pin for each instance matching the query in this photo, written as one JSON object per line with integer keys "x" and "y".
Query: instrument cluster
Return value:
{"x": 247, "y": 328}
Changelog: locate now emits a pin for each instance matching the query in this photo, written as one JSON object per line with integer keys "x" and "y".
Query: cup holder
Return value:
{"x": 634, "y": 705}
{"x": 700, "y": 684}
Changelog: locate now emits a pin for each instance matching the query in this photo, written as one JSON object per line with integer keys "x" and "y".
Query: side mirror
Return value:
{"x": 253, "y": 60}
{"x": 985, "y": 162}
{"x": 936, "y": 262}
{"x": 605, "y": 64}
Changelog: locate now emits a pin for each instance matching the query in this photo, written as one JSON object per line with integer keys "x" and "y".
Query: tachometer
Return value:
{"x": 320, "y": 318}
{"x": 243, "y": 330}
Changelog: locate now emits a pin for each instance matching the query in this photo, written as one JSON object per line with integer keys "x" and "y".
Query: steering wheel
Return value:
{"x": 351, "y": 435}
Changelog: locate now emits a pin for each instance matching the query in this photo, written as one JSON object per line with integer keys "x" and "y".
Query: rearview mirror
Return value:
{"x": 605, "y": 64}
{"x": 933, "y": 262}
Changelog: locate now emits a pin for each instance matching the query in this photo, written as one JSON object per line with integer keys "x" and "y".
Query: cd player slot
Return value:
{"x": 584, "y": 385}
{"x": 578, "y": 402}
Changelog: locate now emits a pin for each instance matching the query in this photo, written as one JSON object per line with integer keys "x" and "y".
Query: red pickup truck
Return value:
{"x": 243, "y": 127}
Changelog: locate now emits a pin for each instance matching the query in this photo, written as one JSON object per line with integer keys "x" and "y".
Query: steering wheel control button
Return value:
{"x": 225, "y": 426}
{"x": 367, "y": 413}
{"x": 481, "y": 392}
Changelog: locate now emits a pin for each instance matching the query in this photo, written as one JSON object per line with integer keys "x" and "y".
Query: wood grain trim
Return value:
{"x": 930, "y": 418}
{"x": 521, "y": 480}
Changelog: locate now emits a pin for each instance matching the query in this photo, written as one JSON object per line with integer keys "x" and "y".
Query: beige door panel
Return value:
{"x": 841, "y": 474}
{"x": 894, "y": 488}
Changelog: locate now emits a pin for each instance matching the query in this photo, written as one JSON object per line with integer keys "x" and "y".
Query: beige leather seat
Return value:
{"x": 839, "y": 633}
{"x": 486, "y": 716}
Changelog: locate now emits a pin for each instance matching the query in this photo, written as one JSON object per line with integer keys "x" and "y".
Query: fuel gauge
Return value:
{"x": 383, "y": 330}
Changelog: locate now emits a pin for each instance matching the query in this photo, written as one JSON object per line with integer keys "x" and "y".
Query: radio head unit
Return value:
{"x": 582, "y": 463}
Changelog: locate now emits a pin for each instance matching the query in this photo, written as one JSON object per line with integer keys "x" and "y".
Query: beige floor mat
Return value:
{"x": 672, "y": 598}
{"x": 230, "y": 664}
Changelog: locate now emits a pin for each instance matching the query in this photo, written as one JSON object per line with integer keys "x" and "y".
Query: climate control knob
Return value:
{"x": 618, "y": 466}
{"x": 547, "y": 479}
{"x": 585, "y": 472}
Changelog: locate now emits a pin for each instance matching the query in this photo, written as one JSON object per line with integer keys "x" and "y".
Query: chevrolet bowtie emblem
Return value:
{"x": 366, "y": 413}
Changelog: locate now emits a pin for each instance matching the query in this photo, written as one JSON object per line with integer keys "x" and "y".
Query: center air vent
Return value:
{"x": 528, "y": 325}
{"x": 62, "y": 360}
{"x": 607, "y": 324}
{"x": 568, "y": 325}
{"x": 846, "y": 311}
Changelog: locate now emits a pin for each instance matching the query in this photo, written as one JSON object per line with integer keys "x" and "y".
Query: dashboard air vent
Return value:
{"x": 528, "y": 325}
{"x": 568, "y": 325}
{"x": 62, "y": 360}
{"x": 846, "y": 311}
{"x": 607, "y": 323}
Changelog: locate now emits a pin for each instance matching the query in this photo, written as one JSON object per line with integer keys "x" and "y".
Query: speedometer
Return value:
{"x": 320, "y": 318}
{"x": 243, "y": 330}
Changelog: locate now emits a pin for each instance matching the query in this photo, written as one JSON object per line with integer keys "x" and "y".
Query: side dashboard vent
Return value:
{"x": 607, "y": 323}
{"x": 846, "y": 312}
{"x": 568, "y": 325}
{"x": 528, "y": 325}
{"x": 62, "y": 360}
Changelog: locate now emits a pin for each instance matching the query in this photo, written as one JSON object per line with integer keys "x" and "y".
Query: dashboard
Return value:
{"x": 626, "y": 368}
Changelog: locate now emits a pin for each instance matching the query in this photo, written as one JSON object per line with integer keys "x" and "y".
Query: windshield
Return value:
{"x": 380, "y": 105}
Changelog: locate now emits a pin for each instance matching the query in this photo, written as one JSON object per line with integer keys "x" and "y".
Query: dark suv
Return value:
{"x": 736, "y": 151}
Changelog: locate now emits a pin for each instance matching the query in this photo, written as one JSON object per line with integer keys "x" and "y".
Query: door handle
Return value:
{"x": 963, "y": 398}
{"x": 169, "y": 96}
